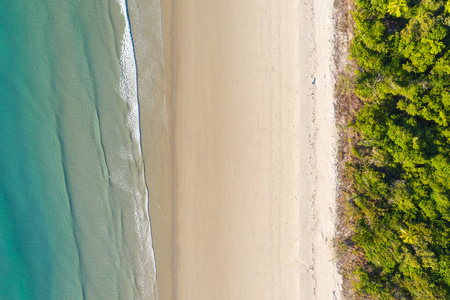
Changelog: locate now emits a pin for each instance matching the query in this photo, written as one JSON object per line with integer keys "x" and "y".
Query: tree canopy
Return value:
{"x": 401, "y": 170}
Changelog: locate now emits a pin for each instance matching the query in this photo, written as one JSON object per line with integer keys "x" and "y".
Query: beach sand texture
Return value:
{"x": 254, "y": 151}
{"x": 249, "y": 90}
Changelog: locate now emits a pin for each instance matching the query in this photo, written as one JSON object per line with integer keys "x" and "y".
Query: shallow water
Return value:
{"x": 73, "y": 219}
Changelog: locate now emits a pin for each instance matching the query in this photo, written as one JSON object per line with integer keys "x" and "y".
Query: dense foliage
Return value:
{"x": 401, "y": 170}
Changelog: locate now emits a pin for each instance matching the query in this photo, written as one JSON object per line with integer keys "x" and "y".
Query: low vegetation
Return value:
{"x": 394, "y": 113}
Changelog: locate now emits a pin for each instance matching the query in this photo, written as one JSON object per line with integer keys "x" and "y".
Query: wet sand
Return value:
{"x": 254, "y": 159}
{"x": 155, "y": 122}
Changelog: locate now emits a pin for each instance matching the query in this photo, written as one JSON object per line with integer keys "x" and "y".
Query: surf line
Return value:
{"x": 129, "y": 91}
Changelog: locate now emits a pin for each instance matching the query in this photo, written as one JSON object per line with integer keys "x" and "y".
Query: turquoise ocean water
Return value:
{"x": 73, "y": 201}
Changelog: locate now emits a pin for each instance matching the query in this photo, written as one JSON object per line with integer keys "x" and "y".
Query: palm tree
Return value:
{"x": 408, "y": 237}
{"x": 397, "y": 7}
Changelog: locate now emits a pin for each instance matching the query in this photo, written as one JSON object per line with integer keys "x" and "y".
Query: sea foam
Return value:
{"x": 128, "y": 90}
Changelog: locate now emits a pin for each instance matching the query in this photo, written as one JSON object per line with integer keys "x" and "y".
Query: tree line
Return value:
{"x": 401, "y": 168}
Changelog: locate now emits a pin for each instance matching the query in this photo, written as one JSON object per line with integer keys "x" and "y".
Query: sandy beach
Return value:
{"x": 247, "y": 179}
{"x": 254, "y": 150}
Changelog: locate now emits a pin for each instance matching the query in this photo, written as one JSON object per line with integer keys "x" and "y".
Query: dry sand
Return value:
{"x": 254, "y": 140}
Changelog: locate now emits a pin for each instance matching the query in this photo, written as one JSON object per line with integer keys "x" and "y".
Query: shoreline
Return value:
{"x": 129, "y": 91}
{"x": 155, "y": 116}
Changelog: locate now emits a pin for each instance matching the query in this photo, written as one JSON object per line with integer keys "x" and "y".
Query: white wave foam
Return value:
{"x": 128, "y": 81}
{"x": 128, "y": 91}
